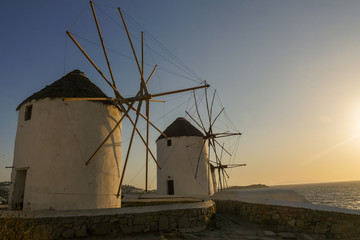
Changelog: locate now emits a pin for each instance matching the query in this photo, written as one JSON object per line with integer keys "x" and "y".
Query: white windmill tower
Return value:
{"x": 53, "y": 140}
{"x": 182, "y": 155}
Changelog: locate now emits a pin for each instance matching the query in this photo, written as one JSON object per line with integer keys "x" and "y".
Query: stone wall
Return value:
{"x": 70, "y": 224}
{"x": 332, "y": 225}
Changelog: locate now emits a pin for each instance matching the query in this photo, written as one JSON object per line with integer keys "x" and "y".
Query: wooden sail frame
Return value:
{"x": 127, "y": 104}
{"x": 210, "y": 138}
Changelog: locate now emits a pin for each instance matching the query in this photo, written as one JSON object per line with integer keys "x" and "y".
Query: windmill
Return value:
{"x": 127, "y": 105}
{"x": 211, "y": 139}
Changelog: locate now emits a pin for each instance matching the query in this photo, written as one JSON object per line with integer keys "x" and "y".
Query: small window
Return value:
{"x": 169, "y": 142}
{"x": 28, "y": 111}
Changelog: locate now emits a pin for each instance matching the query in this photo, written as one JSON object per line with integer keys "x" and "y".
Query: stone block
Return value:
{"x": 154, "y": 226}
{"x": 139, "y": 220}
{"x": 68, "y": 233}
{"x": 269, "y": 233}
{"x": 102, "y": 228}
{"x": 67, "y": 225}
{"x": 291, "y": 222}
{"x": 184, "y": 222}
{"x": 306, "y": 237}
{"x": 300, "y": 223}
{"x": 113, "y": 220}
{"x": 337, "y": 228}
{"x": 81, "y": 232}
{"x": 276, "y": 216}
{"x": 123, "y": 221}
{"x": 138, "y": 228}
{"x": 130, "y": 221}
{"x": 287, "y": 235}
{"x": 320, "y": 229}
{"x": 172, "y": 225}
{"x": 56, "y": 234}
{"x": 126, "y": 229}
{"x": 163, "y": 223}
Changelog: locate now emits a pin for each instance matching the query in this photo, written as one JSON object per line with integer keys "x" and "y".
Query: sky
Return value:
{"x": 286, "y": 72}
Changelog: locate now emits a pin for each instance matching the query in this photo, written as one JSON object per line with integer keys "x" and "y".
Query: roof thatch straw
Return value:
{"x": 73, "y": 84}
{"x": 181, "y": 127}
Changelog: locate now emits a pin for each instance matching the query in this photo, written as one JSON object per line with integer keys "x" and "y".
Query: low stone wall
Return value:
{"x": 97, "y": 222}
{"x": 126, "y": 220}
{"x": 333, "y": 225}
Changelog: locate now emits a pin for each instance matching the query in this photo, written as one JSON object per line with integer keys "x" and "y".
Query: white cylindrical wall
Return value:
{"x": 53, "y": 147}
{"x": 178, "y": 163}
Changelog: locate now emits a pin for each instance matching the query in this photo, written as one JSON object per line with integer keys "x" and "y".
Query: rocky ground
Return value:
{"x": 227, "y": 227}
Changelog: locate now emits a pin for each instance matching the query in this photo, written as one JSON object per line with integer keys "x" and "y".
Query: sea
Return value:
{"x": 336, "y": 194}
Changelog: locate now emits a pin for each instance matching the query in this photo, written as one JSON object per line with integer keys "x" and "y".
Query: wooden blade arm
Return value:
{"x": 207, "y": 104}
{"x": 197, "y": 111}
{"x": 89, "y": 99}
{"x": 212, "y": 124}
{"x": 94, "y": 65}
{"x": 196, "y": 122}
{"x": 224, "y": 171}
{"x": 141, "y": 115}
{"x": 179, "y": 91}
{"x": 132, "y": 47}
{"x": 235, "y": 165}
{"x": 138, "y": 132}
{"x": 221, "y": 135}
{"x": 198, "y": 161}
{"x": 105, "y": 140}
{"x": 152, "y": 73}
{"x": 212, "y": 103}
{"x": 222, "y": 147}
{"x": 129, "y": 149}
{"x": 102, "y": 43}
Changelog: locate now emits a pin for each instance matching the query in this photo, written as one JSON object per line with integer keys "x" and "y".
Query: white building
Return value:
{"x": 54, "y": 140}
{"x": 178, "y": 156}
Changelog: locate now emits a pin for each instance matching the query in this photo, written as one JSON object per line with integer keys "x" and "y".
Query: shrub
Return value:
{"x": 19, "y": 225}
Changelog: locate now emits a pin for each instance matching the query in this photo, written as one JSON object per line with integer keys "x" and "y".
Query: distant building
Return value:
{"x": 179, "y": 155}
{"x": 55, "y": 138}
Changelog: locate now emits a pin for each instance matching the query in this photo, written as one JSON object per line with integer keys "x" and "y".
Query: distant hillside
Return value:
{"x": 4, "y": 190}
{"x": 253, "y": 186}
{"x": 128, "y": 189}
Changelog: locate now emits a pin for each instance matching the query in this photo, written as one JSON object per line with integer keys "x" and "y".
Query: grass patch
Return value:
{"x": 20, "y": 225}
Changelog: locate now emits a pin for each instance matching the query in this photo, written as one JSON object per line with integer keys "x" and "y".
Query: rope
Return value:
{"x": 77, "y": 19}
{"x": 185, "y": 68}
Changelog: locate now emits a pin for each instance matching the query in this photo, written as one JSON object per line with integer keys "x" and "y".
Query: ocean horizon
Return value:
{"x": 335, "y": 194}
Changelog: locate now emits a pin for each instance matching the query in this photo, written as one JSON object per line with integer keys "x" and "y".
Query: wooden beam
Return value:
{"x": 92, "y": 62}
{"x": 103, "y": 45}
{"x": 129, "y": 149}
{"x": 132, "y": 47}
{"x": 179, "y": 91}
{"x": 89, "y": 99}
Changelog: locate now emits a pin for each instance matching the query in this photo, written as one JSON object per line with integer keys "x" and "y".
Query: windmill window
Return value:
{"x": 28, "y": 111}
{"x": 169, "y": 142}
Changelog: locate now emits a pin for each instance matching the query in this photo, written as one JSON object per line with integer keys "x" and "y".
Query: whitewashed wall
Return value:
{"x": 178, "y": 163}
{"x": 55, "y": 144}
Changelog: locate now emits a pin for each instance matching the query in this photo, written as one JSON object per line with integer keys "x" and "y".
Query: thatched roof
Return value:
{"x": 181, "y": 127}
{"x": 73, "y": 84}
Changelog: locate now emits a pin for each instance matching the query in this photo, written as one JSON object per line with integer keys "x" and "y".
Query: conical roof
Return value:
{"x": 73, "y": 84}
{"x": 181, "y": 127}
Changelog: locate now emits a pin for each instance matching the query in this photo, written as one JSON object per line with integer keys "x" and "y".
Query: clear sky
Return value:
{"x": 286, "y": 72}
